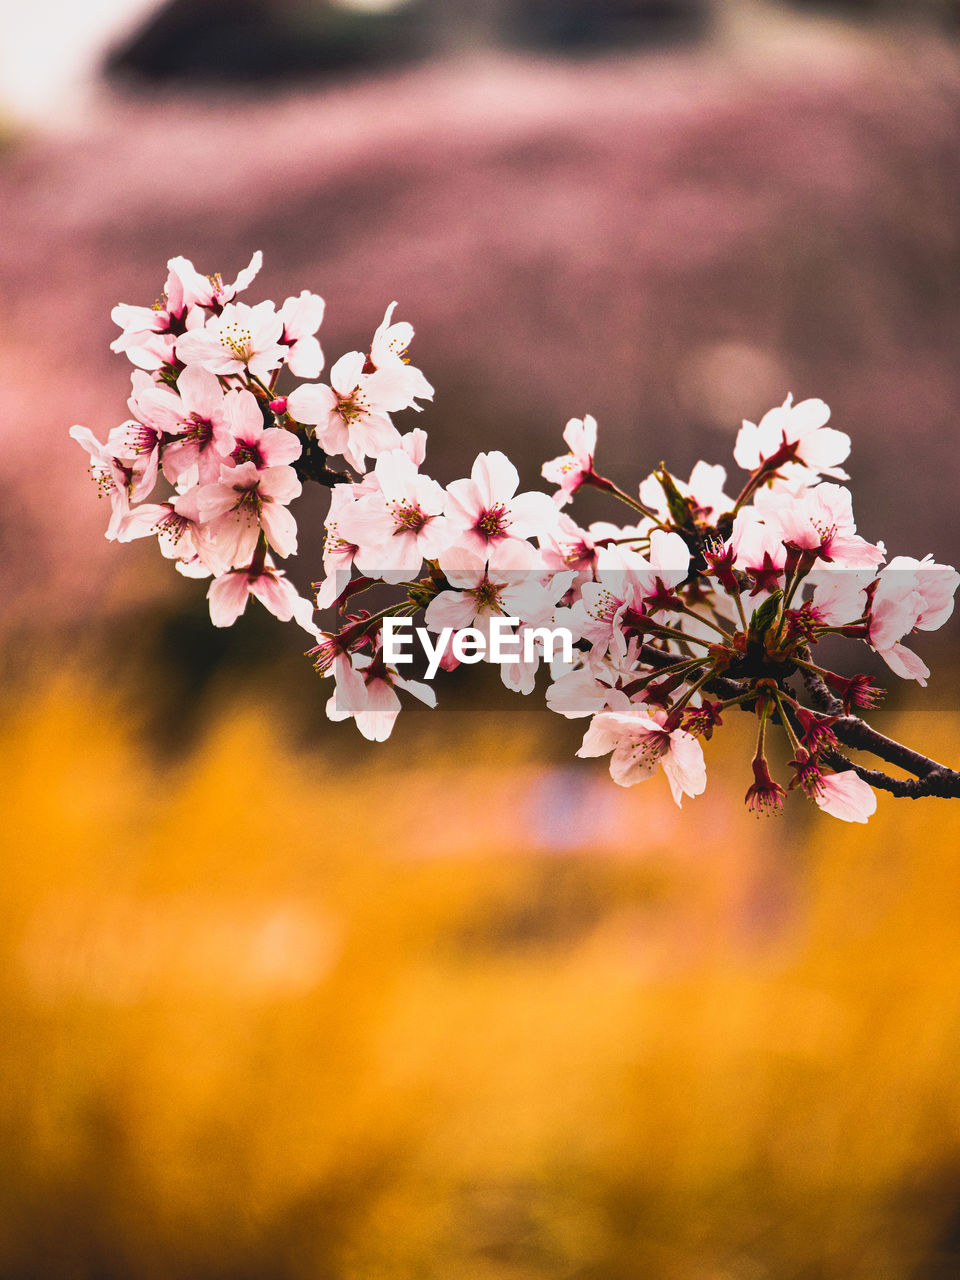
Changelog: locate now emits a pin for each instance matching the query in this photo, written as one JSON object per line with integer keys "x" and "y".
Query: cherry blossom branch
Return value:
{"x": 931, "y": 778}
{"x": 766, "y": 576}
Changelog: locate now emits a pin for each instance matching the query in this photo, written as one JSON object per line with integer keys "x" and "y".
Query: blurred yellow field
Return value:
{"x": 251, "y": 1032}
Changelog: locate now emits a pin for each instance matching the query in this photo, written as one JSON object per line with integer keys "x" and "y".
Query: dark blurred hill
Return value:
{"x": 272, "y": 40}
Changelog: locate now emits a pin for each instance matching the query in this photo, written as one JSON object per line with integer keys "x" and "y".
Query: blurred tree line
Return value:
{"x": 223, "y": 40}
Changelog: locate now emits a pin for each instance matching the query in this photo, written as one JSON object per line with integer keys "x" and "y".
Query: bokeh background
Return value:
{"x": 277, "y": 1005}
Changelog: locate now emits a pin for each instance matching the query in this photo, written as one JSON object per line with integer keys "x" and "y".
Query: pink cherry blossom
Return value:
{"x": 794, "y": 434}
{"x": 198, "y": 417}
{"x": 251, "y": 440}
{"x": 246, "y": 500}
{"x": 302, "y": 317}
{"x": 839, "y": 596}
{"x": 665, "y": 566}
{"x": 338, "y": 551}
{"x": 150, "y": 333}
{"x": 228, "y": 595}
{"x": 180, "y": 532}
{"x": 159, "y": 414}
{"x": 599, "y": 613}
{"x": 188, "y": 287}
{"x": 119, "y": 481}
{"x": 239, "y": 338}
{"x": 758, "y": 551}
{"x": 571, "y": 470}
{"x": 366, "y": 692}
{"x": 400, "y": 524}
{"x": 821, "y": 522}
{"x": 918, "y": 593}
{"x": 388, "y": 356}
{"x": 568, "y": 546}
{"x": 351, "y": 416}
{"x": 909, "y": 595}
{"x": 587, "y": 689}
{"x": 641, "y": 742}
{"x": 480, "y": 592}
{"x": 491, "y": 519}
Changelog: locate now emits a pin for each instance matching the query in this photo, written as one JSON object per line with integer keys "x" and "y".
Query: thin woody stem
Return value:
{"x": 607, "y": 486}
{"x": 682, "y": 702}
{"x": 658, "y": 629}
{"x": 706, "y": 621}
{"x": 788, "y": 727}
{"x": 930, "y": 777}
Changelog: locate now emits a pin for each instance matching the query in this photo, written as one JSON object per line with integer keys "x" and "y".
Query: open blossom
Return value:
{"x": 198, "y": 416}
{"x": 794, "y": 434}
{"x": 180, "y": 531}
{"x": 250, "y": 440}
{"x": 352, "y": 414}
{"x": 388, "y": 357}
{"x": 246, "y": 500}
{"x": 571, "y": 470}
{"x": 192, "y": 289}
{"x": 150, "y": 333}
{"x": 122, "y": 482}
{"x": 591, "y": 685}
{"x": 338, "y": 550}
{"x": 138, "y": 444}
{"x": 302, "y": 317}
{"x": 758, "y": 551}
{"x": 909, "y": 595}
{"x": 664, "y": 567}
{"x": 228, "y": 595}
{"x": 239, "y": 338}
{"x": 398, "y": 525}
{"x": 569, "y": 547}
{"x": 821, "y": 522}
{"x": 640, "y": 743}
{"x": 366, "y": 691}
{"x": 491, "y": 519}
{"x": 480, "y": 592}
{"x": 839, "y": 595}
{"x": 598, "y": 615}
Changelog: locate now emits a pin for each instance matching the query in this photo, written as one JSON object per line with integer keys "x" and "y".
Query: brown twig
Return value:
{"x": 930, "y": 777}
{"x": 312, "y": 465}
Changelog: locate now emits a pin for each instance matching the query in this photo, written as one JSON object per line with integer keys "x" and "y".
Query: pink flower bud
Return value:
{"x": 279, "y": 405}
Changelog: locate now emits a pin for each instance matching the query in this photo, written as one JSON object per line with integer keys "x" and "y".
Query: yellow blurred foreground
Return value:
{"x": 463, "y": 1010}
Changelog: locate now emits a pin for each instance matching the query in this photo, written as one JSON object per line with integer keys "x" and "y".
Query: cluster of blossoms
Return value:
{"x": 703, "y": 603}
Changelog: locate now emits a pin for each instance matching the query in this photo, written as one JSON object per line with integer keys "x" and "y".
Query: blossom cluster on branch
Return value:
{"x": 700, "y": 604}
